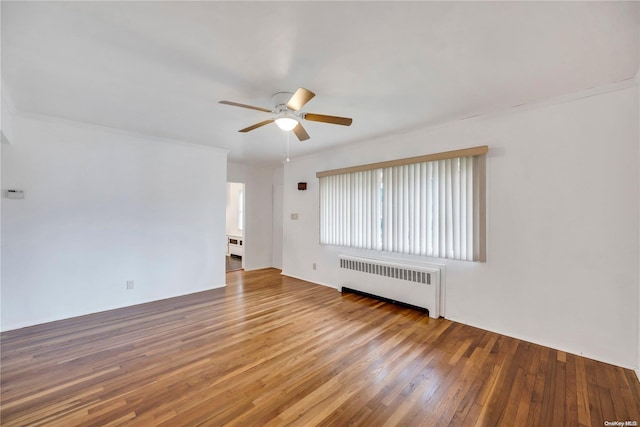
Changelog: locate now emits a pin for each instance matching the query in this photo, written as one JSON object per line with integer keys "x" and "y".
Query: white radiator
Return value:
{"x": 415, "y": 285}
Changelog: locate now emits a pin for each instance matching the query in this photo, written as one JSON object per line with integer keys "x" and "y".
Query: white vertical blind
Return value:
{"x": 428, "y": 208}
{"x": 366, "y": 209}
{"x": 350, "y": 209}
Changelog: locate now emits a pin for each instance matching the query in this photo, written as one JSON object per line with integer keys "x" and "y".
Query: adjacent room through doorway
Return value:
{"x": 234, "y": 252}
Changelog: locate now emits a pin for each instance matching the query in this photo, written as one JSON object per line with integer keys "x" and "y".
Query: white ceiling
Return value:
{"x": 160, "y": 68}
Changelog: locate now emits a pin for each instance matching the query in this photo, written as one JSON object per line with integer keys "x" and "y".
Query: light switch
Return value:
{"x": 14, "y": 194}
{"x": 294, "y": 216}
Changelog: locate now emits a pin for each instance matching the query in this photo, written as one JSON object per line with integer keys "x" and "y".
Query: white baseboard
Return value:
{"x": 511, "y": 335}
{"x": 546, "y": 344}
{"x": 308, "y": 280}
{"x": 49, "y": 319}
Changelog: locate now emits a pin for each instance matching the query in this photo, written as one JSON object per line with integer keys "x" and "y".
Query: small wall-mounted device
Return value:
{"x": 14, "y": 194}
{"x": 302, "y": 186}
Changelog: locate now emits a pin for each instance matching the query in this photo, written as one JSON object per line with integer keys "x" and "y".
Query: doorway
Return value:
{"x": 235, "y": 247}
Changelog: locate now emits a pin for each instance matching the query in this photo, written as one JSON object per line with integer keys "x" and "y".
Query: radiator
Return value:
{"x": 415, "y": 285}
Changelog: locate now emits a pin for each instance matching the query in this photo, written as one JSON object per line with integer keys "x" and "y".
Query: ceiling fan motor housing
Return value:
{"x": 281, "y": 110}
{"x": 280, "y": 100}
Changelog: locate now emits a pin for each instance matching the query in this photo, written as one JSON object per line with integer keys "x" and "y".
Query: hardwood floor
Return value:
{"x": 273, "y": 350}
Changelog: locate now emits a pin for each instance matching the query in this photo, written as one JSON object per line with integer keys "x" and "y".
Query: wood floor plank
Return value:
{"x": 584, "y": 410}
{"x": 571, "y": 393}
{"x": 632, "y": 404}
{"x": 274, "y": 350}
{"x": 593, "y": 393}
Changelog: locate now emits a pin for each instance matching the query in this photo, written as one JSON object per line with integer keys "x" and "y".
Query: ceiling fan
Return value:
{"x": 287, "y": 115}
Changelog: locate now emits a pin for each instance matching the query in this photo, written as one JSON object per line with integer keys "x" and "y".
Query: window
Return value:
{"x": 429, "y": 205}
{"x": 240, "y": 210}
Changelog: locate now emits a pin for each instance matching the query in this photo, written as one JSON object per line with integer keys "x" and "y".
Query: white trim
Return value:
{"x": 117, "y": 131}
{"x": 522, "y": 338}
{"x": 500, "y": 112}
{"x": 314, "y": 282}
{"x": 20, "y": 325}
{"x": 8, "y": 100}
{"x": 636, "y": 78}
{"x": 637, "y": 369}
{"x": 544, "y": 344}
{"x": 252, "y": 268}
{"x": 562, "y": 99}
{"x": 7, "y": 109}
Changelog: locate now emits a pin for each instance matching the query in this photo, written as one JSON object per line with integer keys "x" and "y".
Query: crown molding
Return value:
{"x": 7, "y": 110}
{"x": 7, "y": 100}
{"x": 497, "y": 113}
{"x": 117, "y": 131}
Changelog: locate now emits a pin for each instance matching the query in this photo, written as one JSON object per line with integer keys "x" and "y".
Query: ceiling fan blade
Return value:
{"x": 256, "y": 126}
{"x": 335, "y": 120}
{"x": 301, "y": 97}
{"x": 300, "y": 132}
{"x": 251, "y": 107}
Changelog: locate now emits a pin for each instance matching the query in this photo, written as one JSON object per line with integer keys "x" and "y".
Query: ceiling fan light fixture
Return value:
{"x": 287, "y": 113}
{"x": 286, "y": 123}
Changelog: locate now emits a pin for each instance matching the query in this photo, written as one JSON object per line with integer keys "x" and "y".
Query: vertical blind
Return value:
{"x": 428, "y": 208}
{"x": 350, "y": 208}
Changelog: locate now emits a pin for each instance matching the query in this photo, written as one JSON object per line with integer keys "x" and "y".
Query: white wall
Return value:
{"x": 103, "y": 207}
{"x": 6, "y": 110}
{"x": 4, "y": 124}
{"x": 278, "y": 200}
{"x": 233, "y": 208}
{"x": 258, "y": 213}
{"x": 562, "y": 213}
{"x": 638, "y": 325}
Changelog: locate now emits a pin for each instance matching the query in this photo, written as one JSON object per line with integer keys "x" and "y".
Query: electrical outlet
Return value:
{"x": 314, "y": 265}
{"x": 129, "y": 285}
